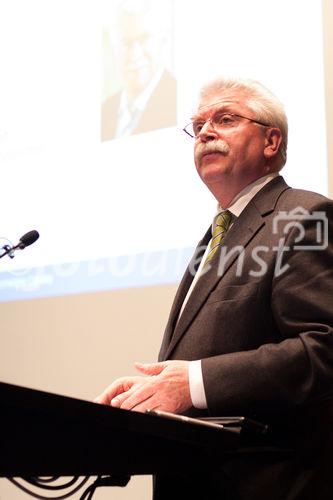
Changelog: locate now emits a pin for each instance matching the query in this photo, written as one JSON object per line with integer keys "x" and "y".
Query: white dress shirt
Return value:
{"x": 236, "y": 207}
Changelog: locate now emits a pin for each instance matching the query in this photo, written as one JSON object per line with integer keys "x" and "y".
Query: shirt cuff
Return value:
{"x": 197, "y": 390}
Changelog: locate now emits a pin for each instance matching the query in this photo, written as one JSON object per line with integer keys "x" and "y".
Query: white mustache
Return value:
{"x": 218, "y": 146}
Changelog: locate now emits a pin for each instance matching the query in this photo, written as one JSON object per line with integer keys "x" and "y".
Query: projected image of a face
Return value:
{"x": 138, "y": 54}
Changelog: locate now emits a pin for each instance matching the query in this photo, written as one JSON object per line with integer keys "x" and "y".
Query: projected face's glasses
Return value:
{"x": 220, "y": 121}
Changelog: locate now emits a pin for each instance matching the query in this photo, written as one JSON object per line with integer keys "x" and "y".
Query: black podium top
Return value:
{"x": 45, "y": 434}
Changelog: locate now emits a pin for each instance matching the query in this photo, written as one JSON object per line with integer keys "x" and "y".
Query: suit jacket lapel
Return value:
{"x": 239, "y": 235}
{"x": 182, "y": 291}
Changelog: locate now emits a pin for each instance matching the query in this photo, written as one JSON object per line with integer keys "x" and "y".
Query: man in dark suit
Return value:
{"x": 251, "y": 328}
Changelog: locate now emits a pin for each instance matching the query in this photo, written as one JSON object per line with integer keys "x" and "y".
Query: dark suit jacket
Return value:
{"x": 266, "y": 344}
{"x": 160, "y": 111}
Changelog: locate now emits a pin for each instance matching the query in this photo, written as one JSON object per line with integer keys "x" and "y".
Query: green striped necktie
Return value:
{"x": 221, "y": 226}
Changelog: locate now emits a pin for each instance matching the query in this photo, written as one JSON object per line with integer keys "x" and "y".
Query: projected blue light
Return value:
{"x": 125, "y": 271}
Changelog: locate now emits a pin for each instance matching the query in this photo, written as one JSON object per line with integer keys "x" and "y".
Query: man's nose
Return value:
{"x": 135, "y": 51}
{"x": 208, "y": 132}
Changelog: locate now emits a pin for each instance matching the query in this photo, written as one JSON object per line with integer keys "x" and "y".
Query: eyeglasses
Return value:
{"x": 220, "y": 121}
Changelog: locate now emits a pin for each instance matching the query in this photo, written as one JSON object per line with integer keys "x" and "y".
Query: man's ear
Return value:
{"x": 273, "y": 141}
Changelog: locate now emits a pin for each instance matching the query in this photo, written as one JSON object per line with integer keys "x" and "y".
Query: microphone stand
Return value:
{"x": 8, "y": 250}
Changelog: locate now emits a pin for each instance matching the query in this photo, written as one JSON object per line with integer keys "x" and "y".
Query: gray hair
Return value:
{"x": 265, "y": 105}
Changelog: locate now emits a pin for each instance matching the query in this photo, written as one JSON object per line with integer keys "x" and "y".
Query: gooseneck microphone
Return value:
{"x": 25, "y": 240}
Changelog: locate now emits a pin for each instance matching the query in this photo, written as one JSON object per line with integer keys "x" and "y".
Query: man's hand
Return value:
{"x": 166, "y": 387}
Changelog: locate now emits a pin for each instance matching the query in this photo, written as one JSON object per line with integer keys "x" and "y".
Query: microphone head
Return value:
{"x": 28, "y": 239}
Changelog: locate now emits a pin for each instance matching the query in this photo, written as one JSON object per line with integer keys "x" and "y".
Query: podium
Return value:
{"x": 45, "y": 434}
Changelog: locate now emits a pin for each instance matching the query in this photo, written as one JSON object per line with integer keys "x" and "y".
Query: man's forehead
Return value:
{"x": 220, "y": 101}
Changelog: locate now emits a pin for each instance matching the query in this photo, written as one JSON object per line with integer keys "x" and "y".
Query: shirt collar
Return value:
{"x": 141, "y": 100}
{"x": 244, "y": 197}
